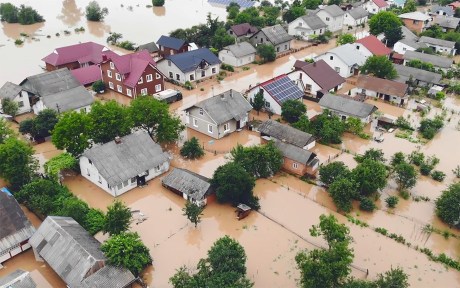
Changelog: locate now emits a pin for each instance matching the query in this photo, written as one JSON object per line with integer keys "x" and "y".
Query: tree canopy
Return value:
{"x": 24, "y": 15}
{"x": 118, "y": 218}
{"x": 108, "y": 120}
{"x": 370, "y": 176}
{"x": 379, "y": 66}
{"x": 383, "y": 21}
{"x": 10, "y": 107}
{"x": 291, "y": 110}
{"x": 343, "y": 191}
{"x": 5, "y": 130}
{"x": 72, "y": 132}
{"x": 259, "y": 101}
{"x": 192, "y": 149}
{"x": 17, "y": 164}
{"x": 266, "y": 52}
{"x": 405, "y": 176}
{"x": 261, "y": 161}
{"x": 58, "y": 163}
{"x": 448, "y": 205}
{"x": 40, "y": 126}
{"x": 345, "y": 39}
{"x": 94, "y": 12}
{"x": 333, "y": 171}
{"x": 193, "y": 212}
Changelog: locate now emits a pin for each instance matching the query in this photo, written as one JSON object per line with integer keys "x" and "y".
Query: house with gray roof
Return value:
{"x": 437, "y": 10}
{"x": 408, "y": 44}
{"x": 190, "y": 66}
{"x": 151, "y": 47}
{"x": 272, "y": 130}
{"x": 297, "y": 160}
{"x": 356, "y": 16}
{"x": 238, "y": 54}
{"x": 76, "y": 256}
{"x": 419, "y": 77}
{"x": 124, "y": 163}
{"x": 15, "y": 229}
{"x": 333, "y": 16}
{"x": 345, "y": 60}
{"x": 307, "y": 26}
{"x": 189, "y": 185}
{"x": 58, "y": 90}
{"x": 345, "y": 107}
{"x": 273, "y": 35}
{"x": 18, "y": 279}
{"x": 18, "y": 95}
{"x": 170, "y": 46}
{"x": 447, "y": 23}
{"x": 439, "y": 45}
{"x": 219, "y": 115}
{"x": 440, "y": 62}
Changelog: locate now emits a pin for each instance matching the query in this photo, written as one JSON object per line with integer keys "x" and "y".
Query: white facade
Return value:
{"x": 350, "y": 21}
{"x": 306, "y": 84}
{"x": 14, "y": 251}
{"x": 401, "y": 48}
{"x": 371, "y": 7}
{"x": 375, "y": 94}
{"x": 171, "y": 71}
{"x": 334, "y": 24}
{"x": 40, "y": 106}
{"x": 300, "y": 28}
{"x": 90, "y": 172}
{"x": 22, "y": 99}
{"x": 227, "y": 57}
{"x": 442, "y": 49}
{"x": 344, "y": 116}
{"x": 337, "y": 64}
{"x": 363, "y": 50}
{"x": 270, "y": 103}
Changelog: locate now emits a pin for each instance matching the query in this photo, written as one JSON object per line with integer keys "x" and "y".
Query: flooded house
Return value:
{"x": 297, "y": 160}
{"x": 276, "y": 91}
{"x": 219, "y": 115}
{"x": 189, "y": 185}
{"x": 316, "y": 78}
{"x": 418, "y": 77}
{"x": 124, "y": 163}
{"x": 18, "y": 279}
{"x": 238, "y": 54}
{"x": 16, "y": 94}
{"x": 372, "y": 46}
{"x": 387, "y": 90}
{"x": 307, "y": 26}
{"x": 345, "y": 107}
{"x": 190, "y": 66}
{"x": 242, "y": 31}
{"x": 333, "y": 16}
{"x": 168, "y": 46}
{"x": 15, "y": 230}
{"x": 271, "y": 130}
{"x": 132, "y": 74}
{"x": 345, "y": 60}
{"x": 273, "y": 35}
{"x": 355, "y": 17}
{"x": 76, "y": 256}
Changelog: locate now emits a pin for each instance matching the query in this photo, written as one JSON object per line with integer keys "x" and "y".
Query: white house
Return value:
{"x": 273, "y": 35}
{"x": 345, "y": 60}
{"x": 375, "y": 6}
{"x": 124, "y": 163}
{"x": 190, "y": 66}
{"x": 439, "y": 45}
{"x": 276, "y": 91}
{"x": 238, "y": 54}
{"x": 345, "y": 107}
{"x": 355, "y": 17}
{"x": 387, "y": 90}
{"x": 372, "y": 46}
{"x": 306, "y": 26}
{"x": 404, "y": 45}
{"x": 333, "y": 16}
{"x": 16, "y": 94}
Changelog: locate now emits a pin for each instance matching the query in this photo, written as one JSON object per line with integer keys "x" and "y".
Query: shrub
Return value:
{"x": 425, "y": 169}
{"x": 94, "y": 12}
{"x": 128, "y": 45}
{"x": 429, "y": 127}
{"x": 416, "y": 158}
{"x": 158, "y": 3}
{"x": 404, "y": 194}
{"x": 227, "y": 67}
{"x": 188, "y": 85}
{"x": 367, "y": 204}
{"x": 403, "y": 123}
{"x": 392, "y": 201}
{"x": 98, "y": 86}
{"x": 192, "y": 149}
{"x": 18, "y": 42}
{"x": 438, "y": 175}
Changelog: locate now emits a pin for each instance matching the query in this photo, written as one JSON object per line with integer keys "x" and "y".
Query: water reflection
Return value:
{"x": 13, "y": 31}
{"x": 98, "y": 29}
{"x": 159, "y": 11}
{"x": 70, "y": 13}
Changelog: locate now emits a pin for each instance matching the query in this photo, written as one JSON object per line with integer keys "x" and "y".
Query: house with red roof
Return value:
{"x": 132, "y": 74}
{"x": 375, "y": 6}
{"x": 454, "y": 5}
{"x": 372, "y": 46}
{"x": 316, "y": 78}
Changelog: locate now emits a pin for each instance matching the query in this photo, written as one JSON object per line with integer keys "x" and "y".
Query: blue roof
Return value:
{"x": 242, "y": 3}
{"x": 282, "y": 88}
{"x": 171, "y": 42}
{"x": 399, "y": 3}
{"x": 189, "y": 61}
{"x": 6, "y": 191}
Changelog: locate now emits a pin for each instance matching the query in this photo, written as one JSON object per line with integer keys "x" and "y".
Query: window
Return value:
{"x": 300, "y": 24}
{"x": 158, "y": 88}
{"x": 415, "y": 21}
{"x": 119, "y": 88}
{"x": 133, "y": 180}
{"x": 129, "y": 92}
{"x": 203, "y": 73}
{"x": 141, "y": 80}
{"x": 195, "y": 122}
{"x": 169, "y": 63}
{"x": 119, "y": 186}
{"x": 277, "y": 49}
{"x": 303, "y": 33}
{"x": 157, "y": 76}
{"x": 357, "y": 47}
{"x": 118, "y": 76}
{"x": 87, "y": 172}
{"x": 210, "y": 128}
{"x": 285, "y": 47}
{"x": 307, "y": 87}
{"x": 295, "y": 165}
{"x": 213, "y": 70}
{"x": 226, "y": 127}
{"x": 201, "y": 111}
{"x": 111, "y": 85}
{"x": 21, "y": 104}
{"x": 112, "y": 66}
{"x": 157, "y": 169}
{"x": 109, "y": 73}
{"x": 90, "y": 162}
{"x": 144, "y": 91}
{"x": 337, "y": 69}
{"x": 146, "y": 173}
{"x": 99, "y": 179}
{"x": 177, "y": 77}
{"x": 320, "y": 31}
{"x": 125, "y": 183}
{"x": 267, "y": 104}
{"x": 192, "y": 77}
{"x": 327, "y": 19}
{"x": 171, "y": 75}
{"x": 331, "y": 57}
{"x": 149, "y": 78}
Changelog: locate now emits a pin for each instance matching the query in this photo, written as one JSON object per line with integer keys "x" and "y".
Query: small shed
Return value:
{"x": 242, "y": 211}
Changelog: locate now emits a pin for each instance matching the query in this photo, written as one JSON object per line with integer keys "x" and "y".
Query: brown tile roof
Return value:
{"x": 323, "y": 75}
{"x": 243, "y": 29}
{"x": 383, "y": 86}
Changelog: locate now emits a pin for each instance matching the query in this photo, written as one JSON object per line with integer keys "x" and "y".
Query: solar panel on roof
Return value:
{"x": 242, "y": 3}
{"x": 283, "y": 89}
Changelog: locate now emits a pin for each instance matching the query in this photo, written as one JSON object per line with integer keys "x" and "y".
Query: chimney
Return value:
{"x": 231, "y": 93}
{"x": 222, "y": 96}
{"x": 117, "y": 139}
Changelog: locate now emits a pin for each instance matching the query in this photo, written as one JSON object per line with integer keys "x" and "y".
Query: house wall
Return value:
{"x": 401, "y": 48}
{"x": 302, "y": 80}
{"x": 241, "y": 37}
{"x": 300, "y": 29}
{"x": 336, "y": 63}
{"x": 40, "y": 106}
{"x": 375, "y": 94}
{"x": 363, "y": 50}
{"x": 201, "y": 123}
{"x": 442, "y": 49}
{"x": 168, "y": 68}
{"x": 350, "y": 21}
{"x": 22, "y": 99}
{"x": 15, "y": 250}
{"x": 227, "y": 57}
{"x": 334, "y": 24}
{"x": 166, "y": 51}
{"x": 270, "y": 103}
{"x": 260, "y": 38}
{"x": 414, "y": 25}
{"x": 371, "y": 7}
{"x": 344, "y": 116}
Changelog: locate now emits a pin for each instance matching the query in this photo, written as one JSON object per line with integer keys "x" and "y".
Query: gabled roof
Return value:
{"x": 243, "y": 29}
{"x": 171, "y": 42}
{"x": 191, "y": 60}
{"x": 276, "y": 34}
{"x": 404, "y": 73}
{"x": 415, "y": 16}
{"x": 313, "y": 21}
{"x": 185, "y": 181}
{"x": 82, "y": 52}
{"x": 446, "y": 9}
{"x": 347, "y": 105}
{"x": 68, "y": 100}
{"x": 109, "y": 276}
{"x": 438, "y": 61}
{"x": 242, "y": 3}
{"x": 447, "y": 22}
{"x": 281, "y": 89}
{"x": 413, "y": 43}
{"x": 348, "y": 54}
{"x": 294, "y": 153}
{"x": 380, "y": 3}
{"x": 135, "y": 154}
{"x": 15, "y": 227}
{"x": 323, "y": 75}
{"x": 407, "y": 34}
{"x": 374, "y": 45}
{"x": 285, "y": 133}
{"x": 358, "y": 13}
{"x": 9, "y": 91}
{"x": 436, "y": 41}
{"x": 87, "y": 75}
{"x": 225, "y": 106}
{"x": 18, "y": 279}
{"x": 383, "y": 86}
{"x": 241, "y": 49}
{"x": 333, "y": 10}
{"x": 150, "y": 47}
{"x": 72, "y": 252}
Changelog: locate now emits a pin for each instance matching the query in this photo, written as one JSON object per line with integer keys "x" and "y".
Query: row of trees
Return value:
{"x": 75, "y": 131}
{"x": 40, "y": 126}
{"x": 24, "y": 15}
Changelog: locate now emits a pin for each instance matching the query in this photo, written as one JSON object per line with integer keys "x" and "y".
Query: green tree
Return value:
{"x": 429, "y": 127}
{"x": 329, "y": 267}
{"x": 5, "y": 131}
{"x": 409, "y": 6}
{"x": 266, "y": 52}
{"x": 72, "y": 132}
{"x": 366, "y": 204}
{"x": 370, "y": 176}
{"x": 153, "y": 116}
{"x": 293, "y": 13}
{"x": 261, "y": 161}
{"x": 331, "y": 172}
{"x": 346, "y": 37}
{"x": 117, "y": 219}
{"x": 392, "y": 201}
{"x": 311, "y": 4}
{"x": 99, "y": 86}
{"x": 55, "y": 165}
{"x": 405, "y": 176}
{"x": 107, "y": 121}
{"x": 95, "y": 220}
{"x": 192, "y": 149}
{"x": 44, "y": 123}
{"x": 303, "y": 124}
{"x": 27, "y": 15}
{"x": 94, "y": 12}
{"x": 380, "y": 67}
{"x": 397, "y": 158}
{"x": 383, "y": 21}
{"x": 75, "y": 208}
{"x": 343, "y": 191}
{"x": 222, "y": 38}
{"x": 127, "y": 250}
{"x": 158, "y": 3}
{"x": 17, "y": 164}
{"x": 193, "y": 212}
{"x": 9, "y": 107}
{"x": 354, "y": 125}
{"x": 371, "y": 154}
{"x": 113, "y": 39}
{"x": 259, "y": 101}
{"x": 234, "y": 185}
{"x": 393, "y": 35}
{"x": 291, "y": 110}
{"x": 392, "y": 279}
{"x": 328, "y": 128}
{"x": 9, "y": 13}
{"x": 448, "y": 205}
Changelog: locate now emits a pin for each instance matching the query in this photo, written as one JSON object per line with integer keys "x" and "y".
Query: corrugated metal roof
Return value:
{"x": 437, "y": 61}
{"x": 241, "y": 49}
{"x": 333, "y": 10}
{"x": 285, "y": 133}
{"x": 276, "y": 34}
{"x": 109, "y": 276}
{"x": 436, "y": 41}
{"x": 384, "y": 86}
{"x": 313, "y": 21}
{"x": 185, "y": 181}
{"x": 358, "y": 13}
{"x": 9, "y": 90}
{"x": 18, "y": 279}
{"x": 294, "y": 153}
{"x": 404, "y": 73}
{"x": 346, "y": 105}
